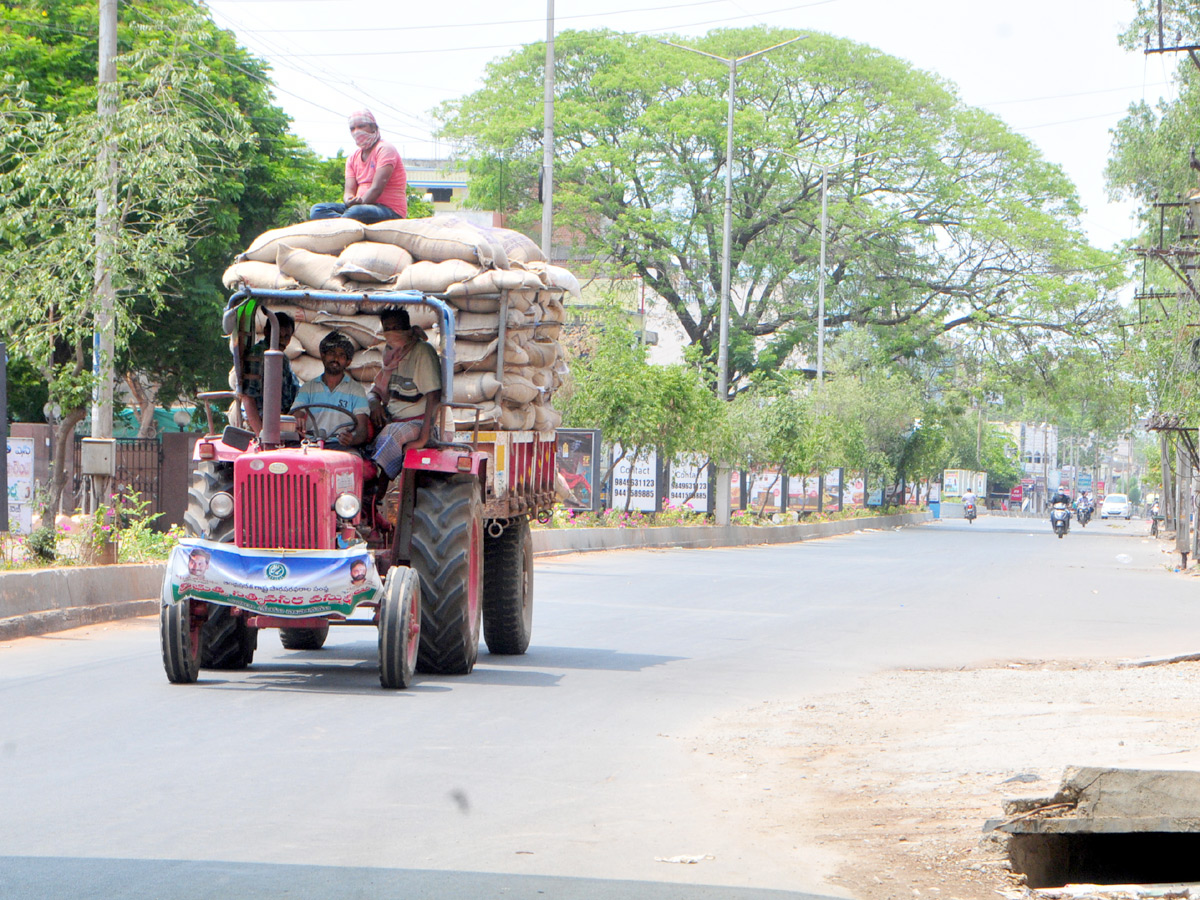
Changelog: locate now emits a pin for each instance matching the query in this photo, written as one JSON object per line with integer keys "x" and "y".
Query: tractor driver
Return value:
{"x": 408, "y": 385}
{"x": 335, "y": 388}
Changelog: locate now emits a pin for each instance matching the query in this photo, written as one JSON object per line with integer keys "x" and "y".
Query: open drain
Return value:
{"x": 1107, "y": 827}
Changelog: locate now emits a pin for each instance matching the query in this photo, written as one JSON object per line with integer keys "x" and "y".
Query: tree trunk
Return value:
{"x": 146, "y": 398}
{"x": 63, "y": 435}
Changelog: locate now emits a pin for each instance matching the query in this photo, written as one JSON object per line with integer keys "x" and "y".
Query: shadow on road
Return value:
{"x": 58, "y": 878}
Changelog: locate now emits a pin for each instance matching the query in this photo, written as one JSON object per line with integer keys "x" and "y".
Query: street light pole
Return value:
{"x": 722, "y": 504}
{"x": 821, "y": 279}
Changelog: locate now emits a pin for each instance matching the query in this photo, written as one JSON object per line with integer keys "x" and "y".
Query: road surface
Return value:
{"x": 563, "y": 773}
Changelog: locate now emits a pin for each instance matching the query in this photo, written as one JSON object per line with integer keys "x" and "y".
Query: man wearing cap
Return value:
{"x": 409, "y": 383}
{"x": 376, "y": 183}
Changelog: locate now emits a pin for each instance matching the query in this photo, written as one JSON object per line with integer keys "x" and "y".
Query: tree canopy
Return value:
{"x": 263, "y": 177}
{"x": 940, "y": 217}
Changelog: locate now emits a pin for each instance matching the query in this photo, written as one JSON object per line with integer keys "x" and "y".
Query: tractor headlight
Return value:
{"x": 221, "y": 505}
{"x": 347, "y": 506}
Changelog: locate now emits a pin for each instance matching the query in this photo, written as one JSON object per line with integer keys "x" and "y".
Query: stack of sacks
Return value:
{"x": 478, "y": 271}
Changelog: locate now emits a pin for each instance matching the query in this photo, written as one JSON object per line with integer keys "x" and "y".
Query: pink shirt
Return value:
{"x": 395, "y": 192}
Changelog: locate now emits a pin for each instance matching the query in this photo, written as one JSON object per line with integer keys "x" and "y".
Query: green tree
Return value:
{"x": 265, "y": 176}
{"x": 642, "y": 407}
{"x": 940, "y": 216}
{"x": 48, "y": 213}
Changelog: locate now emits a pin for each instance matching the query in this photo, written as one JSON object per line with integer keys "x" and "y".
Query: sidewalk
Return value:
{"x": 38, "y": 601}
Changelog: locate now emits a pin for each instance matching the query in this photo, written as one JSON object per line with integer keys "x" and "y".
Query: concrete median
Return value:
{"x": 40, "y": 601}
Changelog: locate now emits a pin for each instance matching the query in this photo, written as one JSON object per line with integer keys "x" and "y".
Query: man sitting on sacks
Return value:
{"x": 407, "y": 387}
{"x": 252, "y": 374}
{"x": 335, "y": 388}
{"x": 376, "y": 184}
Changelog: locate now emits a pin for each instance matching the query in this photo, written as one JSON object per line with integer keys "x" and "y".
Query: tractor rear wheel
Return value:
{"x": 447, "y": 554}
{"x": 399, "y": 627}
{"x": 226, "y": 641}
{"x": 303, "y": 638}
{"x": 508, "y": 588}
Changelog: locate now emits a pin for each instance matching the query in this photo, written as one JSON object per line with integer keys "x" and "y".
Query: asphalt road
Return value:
{"x": 557, "y": 774}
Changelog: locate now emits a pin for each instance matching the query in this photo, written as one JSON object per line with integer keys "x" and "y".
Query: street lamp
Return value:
{"x": 824, "y": 228}
{"x": 723, "y": 344}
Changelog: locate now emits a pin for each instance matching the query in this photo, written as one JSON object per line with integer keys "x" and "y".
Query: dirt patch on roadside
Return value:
{"x": 897, "y": 776}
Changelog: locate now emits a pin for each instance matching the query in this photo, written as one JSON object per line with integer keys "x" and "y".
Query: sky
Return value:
{"x": 1051, "y": 69}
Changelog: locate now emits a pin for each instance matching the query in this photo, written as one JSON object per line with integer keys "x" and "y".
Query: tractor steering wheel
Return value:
{"x": 311, "y": 430}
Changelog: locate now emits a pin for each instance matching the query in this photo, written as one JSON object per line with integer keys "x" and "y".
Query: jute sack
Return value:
{"x": 479, "y": 357}
{"x": 493, "y": 281}
{"x": 310, "y": 337}
{"x": 434, "y": 239}
{"x": 330, "y": 307}
{"x": 364, "y": 330}
{"x": 545, "y": 417}
{"x": 518, "y": 390}
{"x": 314, "y": 269}
{"x": 433, "y": 277}
{"x": 373, "y": 261}
{"x": 298, "y": 314}
{"x": 475, "y": 387}
{"x": 366, "y": 364}
{"x": 307, "y": 368}
{"x": 550, "y": 307}
{"x": 518, "y": 247}
{"x": 557, "y": 277}
{"x": 516, "y": 418}
{"x": 263, "y": 275}
{"x": 484, "y": 326}
{"x": 319, "y": 236}
{"x": 522, "y": 299}
{"x": 475, "y": 304}
{"x": 542, "y": 351}
{"x": 488, "y": 412}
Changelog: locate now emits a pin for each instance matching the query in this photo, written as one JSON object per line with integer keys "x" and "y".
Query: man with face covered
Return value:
{"x": 376, "y": 184}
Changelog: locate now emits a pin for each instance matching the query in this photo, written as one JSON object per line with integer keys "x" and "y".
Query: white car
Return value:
{"x": 1117, "y": 506}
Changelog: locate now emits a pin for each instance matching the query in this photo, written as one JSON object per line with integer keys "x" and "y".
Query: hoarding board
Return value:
{"x": 689, "y": 483}
{"x": 578, "y": 462}
{"x": 636, "y": 484}
{"x": 20, "y": 485}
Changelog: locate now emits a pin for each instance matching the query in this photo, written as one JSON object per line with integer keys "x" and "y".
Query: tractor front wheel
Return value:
{"x": 399, "y": 627}
{"x": 179, "y": 633}
{"x": 447, "y": 554}
{"x": 508, "y": 588}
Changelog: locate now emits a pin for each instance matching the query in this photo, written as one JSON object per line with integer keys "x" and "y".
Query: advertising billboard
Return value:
{"x": 689, "y": 483}
{"x": 578, "y": 459}
{"x": 635, "y": 482}
{"x": 20, "y": 485}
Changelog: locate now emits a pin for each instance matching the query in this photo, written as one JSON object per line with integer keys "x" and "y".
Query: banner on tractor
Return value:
{"x": 295, "y": 583}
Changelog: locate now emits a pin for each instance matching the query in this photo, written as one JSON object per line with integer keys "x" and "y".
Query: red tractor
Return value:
{"x": 283, "y": 533}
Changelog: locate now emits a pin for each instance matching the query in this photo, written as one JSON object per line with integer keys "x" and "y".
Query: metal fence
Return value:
{"x": 139, "y": 471}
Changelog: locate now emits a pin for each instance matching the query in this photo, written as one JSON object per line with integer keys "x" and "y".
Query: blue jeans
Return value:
{"x": 363, "y": 212}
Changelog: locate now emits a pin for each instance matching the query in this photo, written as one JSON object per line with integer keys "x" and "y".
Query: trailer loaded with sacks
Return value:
{"x": 284, "y": 531}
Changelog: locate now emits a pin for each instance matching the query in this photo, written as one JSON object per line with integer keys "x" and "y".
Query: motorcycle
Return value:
{"x": 969, "y": 510}
{"x": 1084, "y": 515}
{"x": 1060, "y": 518}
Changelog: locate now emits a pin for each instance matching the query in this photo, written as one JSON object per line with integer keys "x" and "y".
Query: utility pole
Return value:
{"x": 106, "y": 226}
{"x": 548, "y": 139}
{"x": 723, "y": 471}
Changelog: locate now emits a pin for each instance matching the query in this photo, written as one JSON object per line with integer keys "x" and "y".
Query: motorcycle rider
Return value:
{"x": 1060, "y": 508}
{"x": 968, "y": 501}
